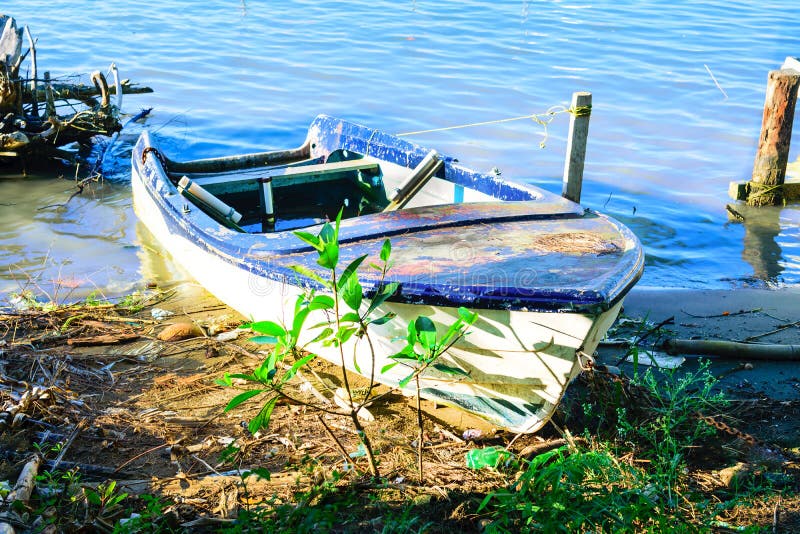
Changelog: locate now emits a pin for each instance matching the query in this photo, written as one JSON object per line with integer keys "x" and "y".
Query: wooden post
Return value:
{"x": 576, "y": 145}
{"x": 769, "y": 169}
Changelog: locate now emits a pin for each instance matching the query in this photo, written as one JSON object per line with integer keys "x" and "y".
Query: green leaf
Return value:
{"x": 467, "y": 316}
{"x": 262, "y": 419}
{"x": 352, "y": 292}
{"x": 350, "y": 317}
{"x": 338, "y": 223}
{"x": 311, "y": 239}
{"x": 327, "y": 234}
{"x": 297, "y": 323}
{"x": 321, "y": 302}
{"x": 355, "y": 363}
{"x": 386, "y": 251}
{"x": 388, "y": 366}
{"x": 269, "y": 328}
{"x": 308, "y": 273}
{"x": 225, "y": 381}
{"x": 384, "y": 319}
{"x": 322, "y": 335}
{"x": 408, "y": 360}
{"x": 456, "y": 329}
{"x": 449, "y": 370}
{"x": 329, "y": 256}
{"x": 404, "y": 382}
{"x": 345, "y": 333}
{"x": 386, "y": 291}
{"x": 351, "y": 269}
{"x": 297, "y": 365}
{"x": 93, "y": 497}
{"x": 264, "y": 372}
{"x": 426, "y": 332}
{"x": 243, "y": 397}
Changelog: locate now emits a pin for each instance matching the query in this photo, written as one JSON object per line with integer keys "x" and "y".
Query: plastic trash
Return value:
{"x": 471, "y": 434}
{"x": 159, "y": 313}
{"x": 360, "y": 452}
{"x": 228, "y": 336}
{"x": 486, "y": 457}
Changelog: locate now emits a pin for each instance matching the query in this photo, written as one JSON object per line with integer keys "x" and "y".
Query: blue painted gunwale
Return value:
{"x": 525, "y": 209}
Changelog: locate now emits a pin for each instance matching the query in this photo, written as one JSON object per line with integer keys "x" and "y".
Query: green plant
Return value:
{"x": 571, "y": 490}
{"x": 63, "y": 499}
{"x": 423, "y": 349}
{"x": 104, "y": 501}
{"x": 92, "y": 299}
{"x": 672, "y": 421}
{"x": 348, "y": 317}
{"x": 133, "y": 302}
{"x": 346, "y": 292}
{"x": 148, "y": 519}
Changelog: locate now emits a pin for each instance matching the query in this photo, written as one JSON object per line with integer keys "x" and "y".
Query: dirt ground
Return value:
{"x": 149, "y": 414}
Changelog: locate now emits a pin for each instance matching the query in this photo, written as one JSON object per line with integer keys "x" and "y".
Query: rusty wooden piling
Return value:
{"x": 769, "y": 169}
{"x": 576, "y": 145}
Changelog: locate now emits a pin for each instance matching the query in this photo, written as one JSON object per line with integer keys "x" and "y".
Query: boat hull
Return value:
{"x": 519, "y": 362}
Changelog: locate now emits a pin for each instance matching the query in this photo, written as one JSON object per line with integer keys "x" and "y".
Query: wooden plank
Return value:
{"x": 576, "y": 145}
{"x": 285, "y": 176}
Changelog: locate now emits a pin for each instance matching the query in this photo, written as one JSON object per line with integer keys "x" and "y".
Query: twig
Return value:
{"x": 74, "y": 434}
{"x": 715, "y": 80}
{"x": 148, "y": 451}
{"x": 334, "y": 438}
{"x": 736, "y": 215}
{"x": 779, "y": 329}
{"x": 776, "y": 515}
{"x": 723, "y": 314}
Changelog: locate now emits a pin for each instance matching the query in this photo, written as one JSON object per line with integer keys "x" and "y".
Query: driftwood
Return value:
{"x": 733, "y": 350}
{"x": 31, "y": 125}
{"x": 22, "y": 491}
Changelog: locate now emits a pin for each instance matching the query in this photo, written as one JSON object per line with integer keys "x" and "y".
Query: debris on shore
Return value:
{"x": 40, "y": 115}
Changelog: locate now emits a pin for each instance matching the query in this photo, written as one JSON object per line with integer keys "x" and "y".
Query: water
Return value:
{"x": 232, "y": 77}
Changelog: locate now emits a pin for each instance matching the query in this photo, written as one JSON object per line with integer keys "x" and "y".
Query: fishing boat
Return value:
{"x": 546, "y": 276}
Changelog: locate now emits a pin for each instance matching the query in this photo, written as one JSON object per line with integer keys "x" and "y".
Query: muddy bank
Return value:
{"x": 746, "y": 315}
{"x": 117, "y": 402}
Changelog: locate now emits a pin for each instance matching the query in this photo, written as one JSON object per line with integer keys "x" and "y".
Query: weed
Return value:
{"x": 672, "y": 422}
{"x": 575, "y": 490}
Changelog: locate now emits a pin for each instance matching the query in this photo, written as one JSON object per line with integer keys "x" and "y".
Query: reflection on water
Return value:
{"x": 762, "y": 233}
{"x": 157, "y": 266}
{"x": 235, "y": 77}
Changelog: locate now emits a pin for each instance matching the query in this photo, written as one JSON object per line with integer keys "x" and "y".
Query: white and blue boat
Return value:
{"x": 546, "y": 275}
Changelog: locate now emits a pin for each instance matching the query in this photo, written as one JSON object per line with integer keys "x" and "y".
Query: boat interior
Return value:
{"x": 311, "y": 191}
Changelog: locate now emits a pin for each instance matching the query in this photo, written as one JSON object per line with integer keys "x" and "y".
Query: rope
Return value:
{"x": 543, "y": 119}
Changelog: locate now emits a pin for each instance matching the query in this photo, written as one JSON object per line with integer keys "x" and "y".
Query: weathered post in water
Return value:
{"x": 581, "y": 110}
{"x": 769, "y": 169}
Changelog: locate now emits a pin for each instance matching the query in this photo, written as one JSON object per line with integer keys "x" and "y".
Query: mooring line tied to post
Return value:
{"x": 543, "y": 119}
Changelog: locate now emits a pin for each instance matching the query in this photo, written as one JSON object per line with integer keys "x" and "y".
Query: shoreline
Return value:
{"x": 769, "y": 316}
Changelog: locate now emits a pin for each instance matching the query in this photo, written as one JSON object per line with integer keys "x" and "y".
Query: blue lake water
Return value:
{"x": 678, "y": 92}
